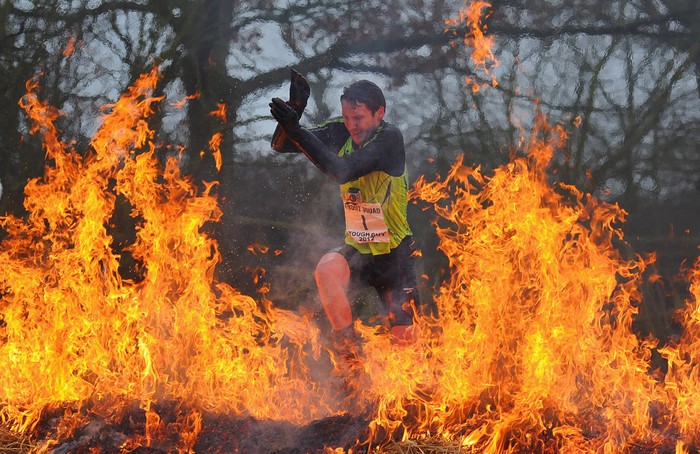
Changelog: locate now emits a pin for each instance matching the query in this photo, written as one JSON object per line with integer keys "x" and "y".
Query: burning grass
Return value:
{"x": 14, "y": 443}
{"x": 532, "y": 349}
{"x": 435, "y": 445}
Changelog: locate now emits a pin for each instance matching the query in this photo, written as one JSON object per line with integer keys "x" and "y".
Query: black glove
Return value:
{"x": 285, "y": 115}
{"x": 299, "y": 92}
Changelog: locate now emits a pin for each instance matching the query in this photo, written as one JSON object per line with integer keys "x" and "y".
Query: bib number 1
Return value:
{"x": 364, "y": 222}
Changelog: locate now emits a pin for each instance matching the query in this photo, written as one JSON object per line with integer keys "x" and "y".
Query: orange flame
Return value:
{"x": 215, "y": 147}
{"x": 476, "y": 38}
{"x": 217, "y": 138}
{"x": 69, "y": 48}
{"x": 531, "y": 349}
{"x": 220, "y": 112}
{"x": 181, "y": 103}
{"x": 78, "y": 336}
{"x": 256, "y": 248}
{"x": 683, "y": 377}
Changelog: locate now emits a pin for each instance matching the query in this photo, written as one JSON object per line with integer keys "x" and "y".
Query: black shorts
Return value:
{"x": 393, "y": 275}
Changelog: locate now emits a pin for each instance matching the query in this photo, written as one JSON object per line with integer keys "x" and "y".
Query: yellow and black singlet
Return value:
{"x": 375, "y": 172}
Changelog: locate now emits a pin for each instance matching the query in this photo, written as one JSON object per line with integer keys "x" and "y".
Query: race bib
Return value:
{"x": 364, "y": 222}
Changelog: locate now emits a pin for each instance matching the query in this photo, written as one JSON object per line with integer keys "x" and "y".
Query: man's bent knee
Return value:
{"x": 332, "y": 267}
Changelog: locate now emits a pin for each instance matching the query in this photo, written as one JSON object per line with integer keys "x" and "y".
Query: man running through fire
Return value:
{"x": 366, "y": 156}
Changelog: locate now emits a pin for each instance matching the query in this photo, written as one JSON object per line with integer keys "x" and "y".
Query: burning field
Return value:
{"x": 531, "y": 348}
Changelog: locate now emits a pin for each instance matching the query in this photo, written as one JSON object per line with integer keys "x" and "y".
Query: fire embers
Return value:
{"x": 220, "y": 434}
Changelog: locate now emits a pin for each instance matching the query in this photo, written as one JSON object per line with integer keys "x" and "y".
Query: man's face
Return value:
{"x": 360, "y": 122}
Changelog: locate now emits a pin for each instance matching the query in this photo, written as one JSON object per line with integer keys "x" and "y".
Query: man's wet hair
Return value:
{"x": 364, "y": 92}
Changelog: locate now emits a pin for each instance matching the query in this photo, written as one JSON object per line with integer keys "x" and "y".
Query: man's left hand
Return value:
{"x": 299, "y": 91}
{"x": 285, "y": 114}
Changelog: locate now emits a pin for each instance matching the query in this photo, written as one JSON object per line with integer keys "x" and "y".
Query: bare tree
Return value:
{"x": 623, "y": 74}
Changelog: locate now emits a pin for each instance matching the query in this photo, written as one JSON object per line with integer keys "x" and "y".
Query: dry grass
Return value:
{"x": 13, "y": 443}
{"x": 424, "y": 446}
